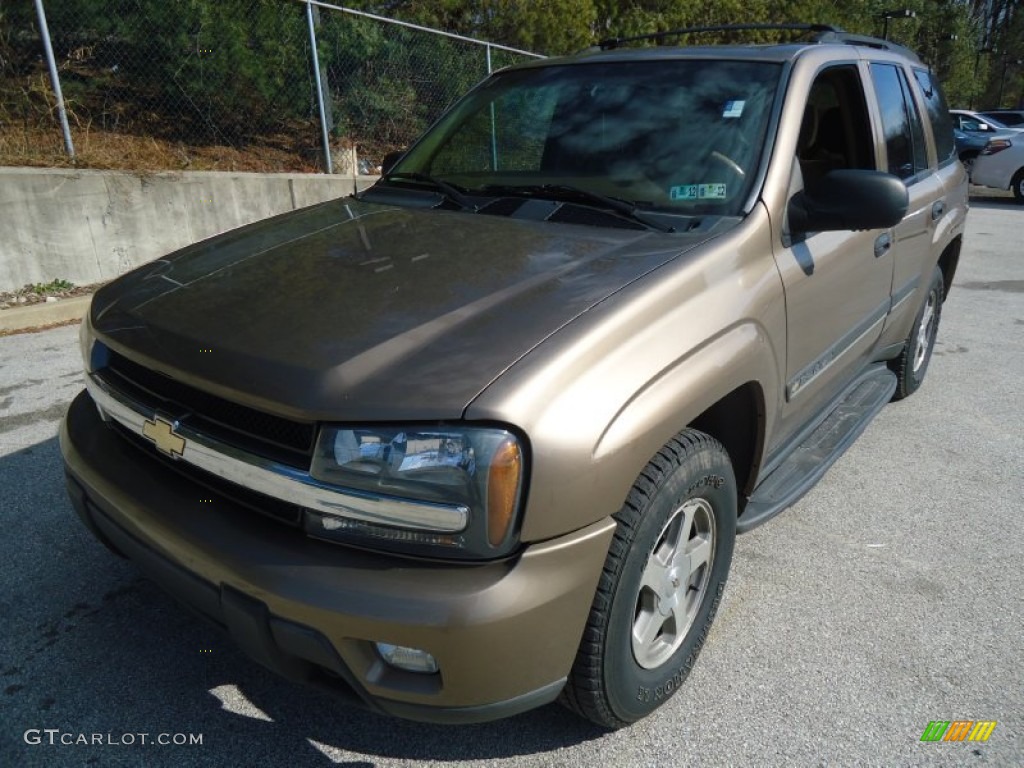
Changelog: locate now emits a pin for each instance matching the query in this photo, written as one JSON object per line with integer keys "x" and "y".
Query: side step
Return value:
{"x": 820, "y": 448}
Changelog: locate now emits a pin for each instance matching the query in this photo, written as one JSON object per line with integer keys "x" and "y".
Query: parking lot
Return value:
{"x": 892, "y": 595}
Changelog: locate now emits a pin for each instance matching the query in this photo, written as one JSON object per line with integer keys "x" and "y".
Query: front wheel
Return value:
{"x": 661, "y": 584}
{"x": 1018, "y": 186}
{"x": 912, "y": 364}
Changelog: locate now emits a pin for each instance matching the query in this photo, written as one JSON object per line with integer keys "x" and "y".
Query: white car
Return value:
{"x": 1001, "y": 165}
{"x": 977, "y": 124}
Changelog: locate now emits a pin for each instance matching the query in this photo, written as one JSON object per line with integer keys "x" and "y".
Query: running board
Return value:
{"x": 820, "y": 449}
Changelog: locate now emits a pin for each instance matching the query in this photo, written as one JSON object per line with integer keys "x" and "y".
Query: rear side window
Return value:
{"x": 938, "y": 114}
{"x": 1007, "y": 118}
{"x": 904, "y": 136}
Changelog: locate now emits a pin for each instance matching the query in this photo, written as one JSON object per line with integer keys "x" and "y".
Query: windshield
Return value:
{"x": 683, "y": 136}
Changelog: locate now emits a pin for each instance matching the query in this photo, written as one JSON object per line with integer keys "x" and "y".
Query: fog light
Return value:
{"x": 409, "y": 659}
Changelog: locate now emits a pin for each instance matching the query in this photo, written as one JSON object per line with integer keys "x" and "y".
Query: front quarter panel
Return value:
{"x": 602, "y": 396}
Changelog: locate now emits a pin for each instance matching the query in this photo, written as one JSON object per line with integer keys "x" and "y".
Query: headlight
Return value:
{"x": 446, "y": 486}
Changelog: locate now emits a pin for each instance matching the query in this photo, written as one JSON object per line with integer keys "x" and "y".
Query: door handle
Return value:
{"x": 938, "y": 208}
{"x": 882, "y": 244}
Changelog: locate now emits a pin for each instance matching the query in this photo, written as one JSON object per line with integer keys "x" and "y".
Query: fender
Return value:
{"x": 695, "y": 382}
{"x": 600, "y": 398}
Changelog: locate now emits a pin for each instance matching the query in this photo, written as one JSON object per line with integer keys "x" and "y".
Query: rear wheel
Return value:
{"x": 912, "y": 364}
{"x": 661, "y": 584}
{"x": 1018, "y": 185}
{"x": 968, "y": 158}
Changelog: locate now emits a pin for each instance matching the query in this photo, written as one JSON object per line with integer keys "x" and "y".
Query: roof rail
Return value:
{"x": 839, "y": 36}
{"x": 616, "y": 42}
{"x": 824, "y": 33}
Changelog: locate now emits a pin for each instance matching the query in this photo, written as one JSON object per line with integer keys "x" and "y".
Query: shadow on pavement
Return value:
{"x": 994, "y": 200}
{"x": 94, "y": 647}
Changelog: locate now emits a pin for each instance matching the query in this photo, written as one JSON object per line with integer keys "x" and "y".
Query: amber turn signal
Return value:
{"x": 503, "y": 490}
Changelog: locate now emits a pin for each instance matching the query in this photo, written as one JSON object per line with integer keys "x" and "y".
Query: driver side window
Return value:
{"x": 835, "y": 133}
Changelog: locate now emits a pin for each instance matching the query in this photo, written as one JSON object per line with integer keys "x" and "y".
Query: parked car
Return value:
{"x": 970, "y": 145}
{"x": 1001, "y": 165}
{"x": 1013, "y": 118}
{"x": 975, "y": 122}
{"x": 482, "y": 436}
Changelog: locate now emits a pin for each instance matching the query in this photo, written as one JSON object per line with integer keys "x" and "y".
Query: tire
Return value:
{"x": 683, "y": 504}
{"x": 912, "y": 364}
{"x": 968, "y": 158}
{"x": 1018, "y": 185}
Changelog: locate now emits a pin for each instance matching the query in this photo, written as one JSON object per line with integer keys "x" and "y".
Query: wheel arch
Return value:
{"x": 590, "y": 451}
{"x": 948, "y": 261}
{"x": 723, "y": 389}
{"x": 737, "y": 421}
{"x": 1017, "y": 184}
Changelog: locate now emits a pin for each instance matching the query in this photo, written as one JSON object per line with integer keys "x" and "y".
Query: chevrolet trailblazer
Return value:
{"x": 482, "y": 436}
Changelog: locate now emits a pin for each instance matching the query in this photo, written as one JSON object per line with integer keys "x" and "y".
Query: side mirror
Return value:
{"x": 390, "y": 161}
{"x": 849, "y": 200}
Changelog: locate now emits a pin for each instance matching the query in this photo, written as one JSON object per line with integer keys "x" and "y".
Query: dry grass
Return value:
{"x": 118, "y": 129}
{"x": 38, "y": 147}
{"x": 38, "y": 328}
{"x": 29, "y": 295}
{"x": 30, "y": 136}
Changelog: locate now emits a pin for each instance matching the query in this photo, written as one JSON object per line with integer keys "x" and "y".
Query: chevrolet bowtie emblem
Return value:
{"x": 162, "y": 434}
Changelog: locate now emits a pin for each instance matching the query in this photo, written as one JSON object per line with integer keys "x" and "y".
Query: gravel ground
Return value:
{"x": 890, "y": 596}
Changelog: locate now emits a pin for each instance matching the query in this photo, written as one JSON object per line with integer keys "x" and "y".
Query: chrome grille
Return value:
{"x": 264, "y": 434}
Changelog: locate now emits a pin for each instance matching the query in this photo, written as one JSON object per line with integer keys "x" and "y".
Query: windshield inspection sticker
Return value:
{"x": 698, "y": 192}
{"x": 733, "y": 108}
{"x": 684, "y": 192}
{"x": 711, "y": 191}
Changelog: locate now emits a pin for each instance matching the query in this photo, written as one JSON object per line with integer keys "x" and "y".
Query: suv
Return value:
{"x": 482, "y": 436}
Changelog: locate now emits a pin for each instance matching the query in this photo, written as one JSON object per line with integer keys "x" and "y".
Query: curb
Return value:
{"x": 36, "y": 315}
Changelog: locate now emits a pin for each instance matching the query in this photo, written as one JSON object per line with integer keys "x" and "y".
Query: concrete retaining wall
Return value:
{"x": 89, "y": 226}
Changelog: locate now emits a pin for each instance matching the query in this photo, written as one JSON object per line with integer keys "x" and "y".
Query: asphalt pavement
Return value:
{"x": 890, "y": 596}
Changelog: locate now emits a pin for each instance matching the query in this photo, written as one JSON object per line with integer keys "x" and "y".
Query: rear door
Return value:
{"x": 908, "y": 156}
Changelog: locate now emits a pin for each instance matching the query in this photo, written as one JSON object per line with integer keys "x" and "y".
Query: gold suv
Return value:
{"x": 482, "y": 436}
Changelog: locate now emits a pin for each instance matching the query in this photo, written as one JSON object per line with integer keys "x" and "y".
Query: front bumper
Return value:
{"x": 504, "y": 634}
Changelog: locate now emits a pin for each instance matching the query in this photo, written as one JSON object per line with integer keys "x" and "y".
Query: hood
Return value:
{"x": 354, "y": 311}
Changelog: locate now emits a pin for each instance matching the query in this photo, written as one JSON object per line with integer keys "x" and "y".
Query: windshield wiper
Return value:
{"x": 450, "y": 191}
{"x": 570, "y": 193}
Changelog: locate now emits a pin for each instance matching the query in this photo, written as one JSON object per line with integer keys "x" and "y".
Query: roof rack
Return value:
{"x": 616, "y": 42}
{"x": 823, "y": 33}
{"x": 839, "y": 36}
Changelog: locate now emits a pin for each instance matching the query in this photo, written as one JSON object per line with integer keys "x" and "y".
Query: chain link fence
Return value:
{"x": 229, "y": 85}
